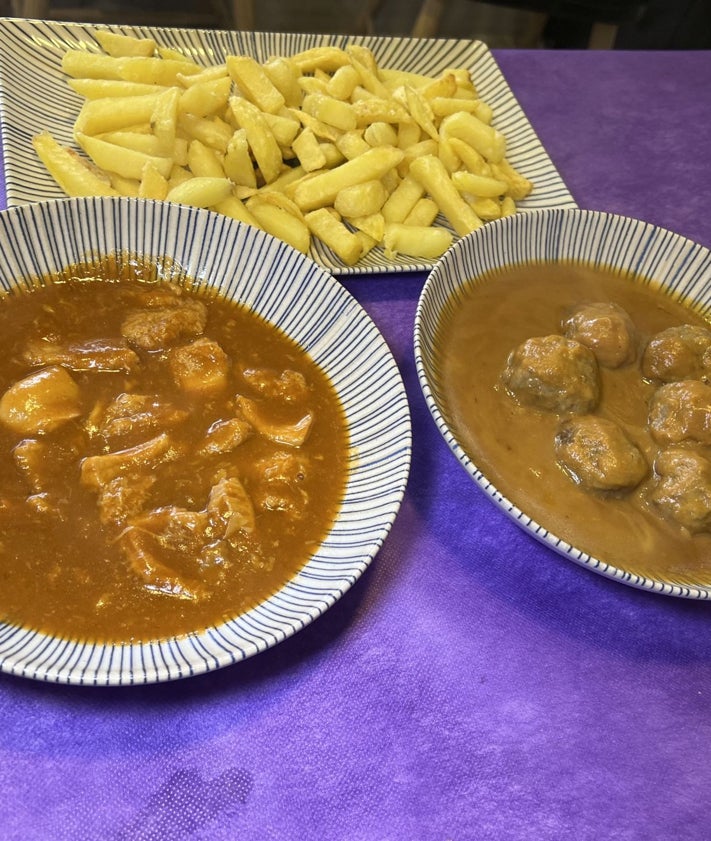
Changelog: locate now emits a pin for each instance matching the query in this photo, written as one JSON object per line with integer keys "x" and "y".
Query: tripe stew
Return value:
{"x": 167, "y": 458}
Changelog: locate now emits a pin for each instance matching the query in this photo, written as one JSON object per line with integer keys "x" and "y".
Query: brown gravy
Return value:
{"x": 220, "y": 513}
{"x": 513, "y": 445}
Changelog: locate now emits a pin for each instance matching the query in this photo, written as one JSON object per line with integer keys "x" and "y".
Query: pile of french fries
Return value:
{"x": 324, "y": 144}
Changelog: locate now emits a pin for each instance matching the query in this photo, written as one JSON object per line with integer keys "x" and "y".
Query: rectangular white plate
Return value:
{"x": 34, "y": 96}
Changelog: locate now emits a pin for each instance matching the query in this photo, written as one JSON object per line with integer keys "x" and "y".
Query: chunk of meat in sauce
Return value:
{"x": 42, "y": 462}
{"x": 283, "y": 385}
{"x": 678, "y": 353}
{"x": 162, "y": 326}
{"x": 177, "y": 528}
{"x": 97, "y": 471}
{"x": 141, "y": 550}
{"x": 95, "y": 355}
{"x": 554, "y": 374}
{"x": 606, "y": 329}
{"x": 41, "y": 402}
{"x": 134, "y": 414}
{"x": 223, "y": 436}
{"x": 598, "y": 455}
{"x": 291, "y": 434}
{"x": 279, "y": 485}
{"x": 682, "y": 488}
{"x": 229, "y": 508}
{"x": 199, "y": 368}
{"x": 124, "y": 497}
{"x": 681, "y": 412}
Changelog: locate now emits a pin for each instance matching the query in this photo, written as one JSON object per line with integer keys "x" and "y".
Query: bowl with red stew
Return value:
{"x": 204, "y": 441}
{"x": 565, "y": 357}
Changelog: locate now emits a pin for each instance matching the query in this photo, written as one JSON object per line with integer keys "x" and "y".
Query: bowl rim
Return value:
{"x": 438, "y": 277}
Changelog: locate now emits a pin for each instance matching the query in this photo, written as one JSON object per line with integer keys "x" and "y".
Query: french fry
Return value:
{"x": 343, "y": 82}
{"x": 444, "y": 106}
{"x": 213, "y": 132}
{"x": 125, "y": 186}
{"x": 164, "y": 119}
{"x": 333, "y": 112}
{"x": 486, "y": 209}
{"x": 417, "y": 241}
{"x": 72, "y": 173}
{"x": 351, "y": 144}
{"x": 237, "y": 161}
{"x": 118, "y": 45}
{"x": 423, "y": 213}
{"x": 318, "y": 127}
{"x": 479, "y": 185}
{"x": 261, "y": 141}
{"x": 419, "y": 109}
{"x": 361, "y": 199}
{"x": 203, "y": 99}
{"x": 402, "y": 200}
{"x": 479, "y": 135}
{"x": 284, "y": 128}
{"x": 235, "y": 209}
{"x": 331, "y": 231}
{"x": 201, "y": 192}
{"x": 118, "y": 159}
{"x": 155, "y": 71}
{"x": 378, "y": 110}
{"x": 280, "y": 223}
{"x": 308, "y": 151}
{"x": 254, "y": 83}
{"x": 284, "y": 75}
{"x": 519, "y": 186}
{"x": 149, "y": 144}
{"x": 85, "y": 65}
{"x": 205, "y": 74}
{"x": 430, "y": 172}
{"x": 323, "y": 58}
{"x": 152, "y": 185}
{"x": 381, "y": 134}
{"x": 106, "y": 88}
{"x": 373, "y": 226}
{"x": 323, "y": 188}
{"x": 172, "y": 54}
{"x": 98, "y": 116}
{"x": 203, "y": 161}
{"x": 332, "y": 154}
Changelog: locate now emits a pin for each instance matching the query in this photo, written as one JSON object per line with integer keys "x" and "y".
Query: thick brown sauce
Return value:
{"x": 63, "y": 572}
{"x": 513, "y": 445}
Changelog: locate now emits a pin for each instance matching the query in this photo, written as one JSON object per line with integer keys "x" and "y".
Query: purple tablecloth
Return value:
{"x": 473, "y": 685}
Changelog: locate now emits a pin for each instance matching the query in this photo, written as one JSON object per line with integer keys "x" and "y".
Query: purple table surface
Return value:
{"x": 473, "y": 684}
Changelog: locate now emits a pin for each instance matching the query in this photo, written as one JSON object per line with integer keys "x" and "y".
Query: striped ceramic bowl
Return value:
{"x": 681, "y": 267}
{"x": 292, "y": 292}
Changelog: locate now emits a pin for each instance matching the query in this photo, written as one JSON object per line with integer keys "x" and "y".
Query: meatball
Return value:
{"x": 607, "y": 330}
{"x": 681, "y": 412}
{"x": 682, "y": 488}
{"x": 553, "y": 373}
{"x": 678, "y": 353}
{"x": 598, "y": 455}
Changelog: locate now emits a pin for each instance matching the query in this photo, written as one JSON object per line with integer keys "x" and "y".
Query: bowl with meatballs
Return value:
{"x": 565, "y": 357}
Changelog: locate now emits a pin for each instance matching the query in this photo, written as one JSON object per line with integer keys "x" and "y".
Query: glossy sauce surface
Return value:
{"x": 206, "y": 525}
{"x": 514, "y": 445}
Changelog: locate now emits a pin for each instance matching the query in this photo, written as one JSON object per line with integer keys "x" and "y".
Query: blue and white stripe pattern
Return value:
{"x": 34, "y": 96}
{"x": 680, "y": 268}
{"x": 304, "y": 301}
